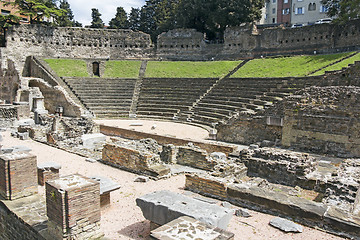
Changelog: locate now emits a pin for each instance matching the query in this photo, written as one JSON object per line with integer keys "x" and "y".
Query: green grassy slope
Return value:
{"x": 184, "y": 69}
{"x": 122, "y": 69}
{"x": 340, "y": 65}
{"x": 68, "y": 67}
{"x": 297, "y": 66}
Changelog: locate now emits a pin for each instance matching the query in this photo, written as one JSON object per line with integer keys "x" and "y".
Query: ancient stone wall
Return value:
{"x": 247, "y": 42}
{"x": 324, "y": 120}
{"x": 46, "y": 41}
{"x": 9, "y": 82}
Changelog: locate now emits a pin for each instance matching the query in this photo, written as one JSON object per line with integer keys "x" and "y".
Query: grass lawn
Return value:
{"x": 297, "y": 66}
{"x": 68, "y": 67}
{"x": 339, "y": 65}
{"x": 122, "y": 69}
{"x": 185, "y": 69}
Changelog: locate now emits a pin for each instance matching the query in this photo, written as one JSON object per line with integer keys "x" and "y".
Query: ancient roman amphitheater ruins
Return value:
{"x": 223, "y": 157}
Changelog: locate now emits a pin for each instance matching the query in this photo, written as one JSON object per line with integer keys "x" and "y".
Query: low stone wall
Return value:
{"x": 12, "y": 225}
{"x": 206, "y": 186}
{"x": 164, "y": 140}
{"x": 308, "y": 212}
{"x": 197, "y": 158}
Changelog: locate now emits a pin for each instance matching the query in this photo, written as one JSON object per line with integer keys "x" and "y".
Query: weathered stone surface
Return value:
{"x": 141, "y": 179}
{"x": 286, "y": 225}
{"x": 91, "y": 140}
{"x": 188, "y": 228}
{"x": 241, "y": 212}
{"x": 164, "y": 206}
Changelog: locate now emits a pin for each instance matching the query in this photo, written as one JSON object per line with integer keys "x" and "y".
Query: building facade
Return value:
{"x": 289, "y": 12}
{"x": 8, "y": 9}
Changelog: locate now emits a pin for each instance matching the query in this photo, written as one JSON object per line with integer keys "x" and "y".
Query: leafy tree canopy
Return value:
{"x": 343, "y": 10}
{"x": 37, "y": 10}
{"x": 120, "y": 20}
{"x": 96, "y": 22}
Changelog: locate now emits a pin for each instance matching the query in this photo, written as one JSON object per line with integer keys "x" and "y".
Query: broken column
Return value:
{"x": 73, "y": 207}
{"x": 18, "y": 176}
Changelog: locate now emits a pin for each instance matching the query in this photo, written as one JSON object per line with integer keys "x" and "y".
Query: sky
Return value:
{"x": 82, "y": 8}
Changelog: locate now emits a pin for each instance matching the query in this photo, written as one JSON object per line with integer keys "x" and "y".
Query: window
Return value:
{"x": 286, "y": 1}
{"x": 323, "y": 9}
{"x": 273, "y": 20}
{"x": 274, "y": 1}
{"x": 266, "y": 16}
{"x": 5, "y": 12}
{"x": 300, "y": 10}
{"x": 273, "y": 11}
{"x": 286, "y": 11}
{"x": 312, "y": 7}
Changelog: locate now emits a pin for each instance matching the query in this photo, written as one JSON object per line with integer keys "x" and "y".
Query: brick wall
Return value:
{"x": 125, "y": 157}
{"x": 130, "y": 134}
{"x": 205, "y": 185}
{"x": 193, "y": 157}
{"x": 12, "y": 227}
{"x": 18, "y": 173}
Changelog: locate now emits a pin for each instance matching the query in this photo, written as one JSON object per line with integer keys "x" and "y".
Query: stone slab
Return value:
{"x": 162, "y": 207}
{"x": 285, "y": 225}
{"x": 106, "y": 184}
{"x": 90, "y": 140}
{"x": 188, "y": 228}
{"x": 48, "y": 166}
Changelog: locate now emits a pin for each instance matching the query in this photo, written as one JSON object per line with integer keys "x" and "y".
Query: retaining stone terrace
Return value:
{"x": 165, "y": 97}
{"x": 106, "y": 98}
{"x": 18, "y": 175}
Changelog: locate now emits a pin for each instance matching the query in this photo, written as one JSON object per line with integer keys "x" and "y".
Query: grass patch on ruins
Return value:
{"x": 187, "y": 69}
{"x": 297, "y": 66}
{"x": 122, "y": 69}
{"x": 68, "y": 67}
{"x": 340, "y": 65}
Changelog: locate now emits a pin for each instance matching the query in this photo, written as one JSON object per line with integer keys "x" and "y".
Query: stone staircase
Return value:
{"x": 105, "y": 98}
{"x": 137, "y": 88}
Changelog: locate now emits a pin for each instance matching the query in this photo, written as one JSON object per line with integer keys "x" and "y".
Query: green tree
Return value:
{"x": 213, "y": 16}
{"x": 96, "y": 22}
{"x": 134, "y": 19}
{"x": 66, "y": 20}
{"x": 37, "y": 10}
{"x": 120, "y": 20}
{"x": 343, "y": 10}
{"x": 156, "y": 16}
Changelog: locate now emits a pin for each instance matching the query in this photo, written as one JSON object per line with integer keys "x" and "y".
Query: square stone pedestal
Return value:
{"x": 18, "y": 176}
{"x": 47, "y": 171}
{"x": 73, "y": 207}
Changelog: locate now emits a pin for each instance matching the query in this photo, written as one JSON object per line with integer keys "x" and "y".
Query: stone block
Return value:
{"x": 163, "y": 206}
{"x": 18, "y": 176}
{"x": 106, "y": 186}
{"x": 92, "y": 140}
{"x": 73, "y": 203}
{"x": 47, "y": 171}
{"x": 24, "y": 136}
{"x": 189, "y": 228}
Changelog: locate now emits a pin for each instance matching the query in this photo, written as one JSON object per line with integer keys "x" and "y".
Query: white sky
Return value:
{"x": 107, "y": 8}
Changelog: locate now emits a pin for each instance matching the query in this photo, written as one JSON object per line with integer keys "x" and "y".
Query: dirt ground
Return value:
{"x": 164, "y": 128}
{"x": 124, "y": 220}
